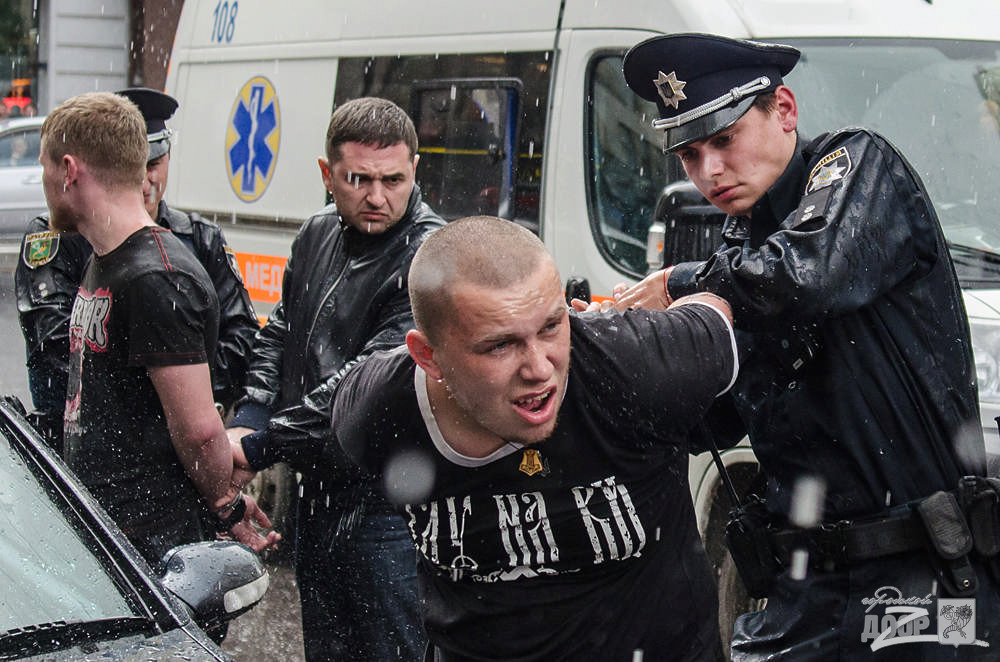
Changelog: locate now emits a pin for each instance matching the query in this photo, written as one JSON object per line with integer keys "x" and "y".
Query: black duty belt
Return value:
{"x": 953, "y": 528}
{"x": 851, "y": 541}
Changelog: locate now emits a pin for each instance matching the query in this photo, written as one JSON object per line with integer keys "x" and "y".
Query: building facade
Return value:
{"x": 77, "y": 46}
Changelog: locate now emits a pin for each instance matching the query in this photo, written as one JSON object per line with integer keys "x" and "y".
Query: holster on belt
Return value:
{"x": 980, "y": 498}
{"x": 951, "y": 540}
{"x": 748, "y": 537}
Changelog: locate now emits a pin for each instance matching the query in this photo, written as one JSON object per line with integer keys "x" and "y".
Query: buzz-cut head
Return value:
{"x": 480, "y": 250}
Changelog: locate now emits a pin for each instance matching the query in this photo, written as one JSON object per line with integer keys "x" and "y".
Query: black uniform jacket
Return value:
{"x": 344, "y": 295}
{"x": 46, "y": 288}
{"x": 856, "y": 361}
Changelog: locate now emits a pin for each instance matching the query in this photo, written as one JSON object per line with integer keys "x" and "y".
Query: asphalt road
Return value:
{"x": 271, "y": 632}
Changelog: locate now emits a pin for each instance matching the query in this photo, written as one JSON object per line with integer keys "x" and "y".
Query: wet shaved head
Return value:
{"x": 482, "y": 250}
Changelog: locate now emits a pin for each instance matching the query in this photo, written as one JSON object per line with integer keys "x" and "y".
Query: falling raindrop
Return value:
{"x": 408, "y": 477}
{"x": 807, "y": 501}
{"x": 800, "y": 564}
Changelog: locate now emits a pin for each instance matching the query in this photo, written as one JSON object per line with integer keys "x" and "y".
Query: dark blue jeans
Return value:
{"x": 358, "y": 586}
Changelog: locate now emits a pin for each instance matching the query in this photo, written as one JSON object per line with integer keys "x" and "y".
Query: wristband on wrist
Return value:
{"x": 237, "y": 509}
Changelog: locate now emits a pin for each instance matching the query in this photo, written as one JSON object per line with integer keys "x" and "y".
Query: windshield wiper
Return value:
{"x": 45, "y": 637}
{"x": 977, "y": 268}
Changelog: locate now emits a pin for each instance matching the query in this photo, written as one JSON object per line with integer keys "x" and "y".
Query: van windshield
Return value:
{"x": 938, "y": 101}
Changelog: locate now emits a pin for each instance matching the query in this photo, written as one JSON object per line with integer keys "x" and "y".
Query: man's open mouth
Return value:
{"x": 535, "y": 403}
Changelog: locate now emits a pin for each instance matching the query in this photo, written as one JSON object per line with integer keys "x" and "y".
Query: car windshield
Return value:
{"x": 938, "y": 101}
{"x": 48, "y": 573}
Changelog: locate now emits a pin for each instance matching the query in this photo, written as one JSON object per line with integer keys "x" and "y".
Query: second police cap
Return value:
{"x": 156, "y": 108}
{"x": 703, "y": 83}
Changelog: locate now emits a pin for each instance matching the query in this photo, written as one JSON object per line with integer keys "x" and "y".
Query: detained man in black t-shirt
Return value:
{"x": 539, "y": 456}
{"x": 141, "y": 428}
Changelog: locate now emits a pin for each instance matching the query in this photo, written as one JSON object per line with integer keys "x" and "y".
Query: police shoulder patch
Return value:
{"x": 234, "y": 264}
{"x": 831, "y": 168}
{"x": 40, "y": 248}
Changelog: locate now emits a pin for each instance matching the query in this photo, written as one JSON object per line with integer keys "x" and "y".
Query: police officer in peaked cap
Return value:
{"x": 856, "y": 361}
{"x": 709, "y": 83}
{"x": 51, "y": 265}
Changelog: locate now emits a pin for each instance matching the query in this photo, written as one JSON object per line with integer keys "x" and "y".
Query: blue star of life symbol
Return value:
{"x": 251, "y": 157}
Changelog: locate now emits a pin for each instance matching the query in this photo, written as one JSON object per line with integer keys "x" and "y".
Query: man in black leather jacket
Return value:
{"x": 857, "y": 375}
{"x": 344, "y": 295}
{"x": 51, "y": 264}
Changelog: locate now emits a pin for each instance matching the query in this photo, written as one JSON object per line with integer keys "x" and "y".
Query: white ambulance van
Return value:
{"x": 522, "y": 112}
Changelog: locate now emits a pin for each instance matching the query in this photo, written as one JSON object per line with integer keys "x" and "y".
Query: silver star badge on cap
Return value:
{"x": 670, "y": 89}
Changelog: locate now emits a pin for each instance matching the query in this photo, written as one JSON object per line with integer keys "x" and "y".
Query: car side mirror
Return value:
{"x": 217, "y": 580}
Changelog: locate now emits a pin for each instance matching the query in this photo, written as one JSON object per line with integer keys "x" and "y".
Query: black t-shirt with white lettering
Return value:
{"x": 597, "y": 554}
{"x": 145, "y": 304}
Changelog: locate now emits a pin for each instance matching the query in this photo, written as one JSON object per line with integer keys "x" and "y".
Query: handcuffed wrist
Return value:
{"x": 231, "y": 514}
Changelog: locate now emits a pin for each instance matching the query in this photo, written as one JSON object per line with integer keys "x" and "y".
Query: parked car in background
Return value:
{"x": 74, "y": 588}
{"x": 21, "y": 194}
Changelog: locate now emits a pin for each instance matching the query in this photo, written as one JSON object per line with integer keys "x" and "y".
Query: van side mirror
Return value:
{"x": 654, "y": 245}
{"x": 691, "y": 228}
{"x": 577, "y": 288}
{"x": 216, "y": 580}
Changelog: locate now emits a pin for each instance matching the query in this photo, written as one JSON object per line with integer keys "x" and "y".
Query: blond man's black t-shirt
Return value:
{"x": 146, "y": 304}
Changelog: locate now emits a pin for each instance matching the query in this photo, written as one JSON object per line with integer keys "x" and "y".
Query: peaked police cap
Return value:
{"x": 156, "y": 108}
{"x": 702, "y": 83}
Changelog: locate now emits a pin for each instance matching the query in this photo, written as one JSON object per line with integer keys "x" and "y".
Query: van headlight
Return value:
{"x": 986, "y": 351}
